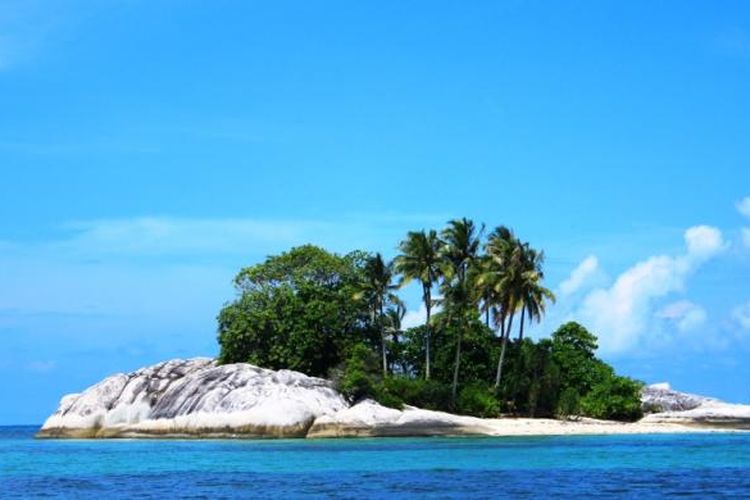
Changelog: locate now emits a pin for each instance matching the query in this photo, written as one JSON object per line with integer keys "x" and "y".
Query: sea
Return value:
{"x": 642, "y": 466}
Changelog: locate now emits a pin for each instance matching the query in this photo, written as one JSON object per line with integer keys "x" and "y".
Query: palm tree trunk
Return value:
{"x": 523, "y": 314}
{"x": 428, "y": 306}
{"x": 487, "y": 314}
{"x": 455, "y": 368}
{"x": 500, "y": 361}
{"x": 382, "y": 339}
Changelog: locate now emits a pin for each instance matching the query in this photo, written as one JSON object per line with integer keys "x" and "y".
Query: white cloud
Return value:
{"x": 580, "y": 276}
{"x": 703, "y": 242}
{"x": 418, "y": 317}
{"x": 743, "y": 206}
{"x": 414, "y": 318}
{"x": 741, "y": 315}
{"x": 685, "y": 315}
{"x": 622, "y": 314}
{"x": 169, "y": 235}
{"x": 158, "y": 235}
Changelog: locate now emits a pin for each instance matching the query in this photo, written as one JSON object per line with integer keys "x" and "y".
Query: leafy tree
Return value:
{"x": 420, "y": 260}
{"x": 360, "y": 377}
{"x": 614, "y": 398}
{"x": 574, "y": 352}
{"x": 296, "y": 311}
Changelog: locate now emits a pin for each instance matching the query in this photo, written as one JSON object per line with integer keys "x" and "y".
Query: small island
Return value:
{"x": 313, "y": 346}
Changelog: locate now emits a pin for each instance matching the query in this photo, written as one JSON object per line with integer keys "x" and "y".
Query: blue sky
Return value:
{"x": 148, "y": 150}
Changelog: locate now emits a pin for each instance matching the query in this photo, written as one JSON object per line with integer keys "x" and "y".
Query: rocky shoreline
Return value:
{"x": 196, "y": 398}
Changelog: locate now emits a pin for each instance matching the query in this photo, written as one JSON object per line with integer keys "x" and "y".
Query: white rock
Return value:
{"x": 196, "y": 397}
{"x": 368, "y": 418}
{"x": 679, "y": 407}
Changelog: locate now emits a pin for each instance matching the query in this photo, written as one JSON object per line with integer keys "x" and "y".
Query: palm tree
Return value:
{"x": 420, "y": 260}
{"x": 504, "y": 252}
{"x": 484, "y": 281}
{"x": 378, "y": 290}
{"x": 515, "y": 274}
{"x": 394, "y": 315}
{"x": 460, "y": 249}
{"x": 533, "y": 296}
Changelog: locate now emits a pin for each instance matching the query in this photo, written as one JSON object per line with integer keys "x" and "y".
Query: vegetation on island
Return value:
{"x": 340, "y": 317}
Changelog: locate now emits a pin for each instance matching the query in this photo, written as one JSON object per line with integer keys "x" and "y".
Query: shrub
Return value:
{"x": 478, "y": 401}
{"x": 427, "y": 394}
{"x": 360, "y": 375}
{"x": 569, "y": 404}
{"x": 614, "y": 398}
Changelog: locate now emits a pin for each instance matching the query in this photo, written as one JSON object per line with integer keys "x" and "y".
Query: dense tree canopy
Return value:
{"x": 340, "y": 317}
{"x": 296, "y": 310}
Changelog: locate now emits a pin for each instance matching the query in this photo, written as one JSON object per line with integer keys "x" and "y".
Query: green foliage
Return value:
{"x": 569, "y": 404}
{"x": 532, "y": 382}
{"x": 360, "y": 376}
{"x": 338, "y": 316}
{"x": 427, "y": 394}
{"x": 614, "y": 398}
{"x": 574, "y": 349}
{"x": 479, "y": 401}
{"x": 296, "y": 310}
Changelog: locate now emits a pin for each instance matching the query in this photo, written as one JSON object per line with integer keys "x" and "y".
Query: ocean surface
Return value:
{"x": 699, "y": 465}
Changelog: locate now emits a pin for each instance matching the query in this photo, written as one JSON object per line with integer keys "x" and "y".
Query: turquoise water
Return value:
{"x": 614, "y": 466}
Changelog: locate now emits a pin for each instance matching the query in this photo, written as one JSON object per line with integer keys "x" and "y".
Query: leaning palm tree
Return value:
{"x": 460, "y": 251}
{"x": 377, "y": 289}
{"x": 420, "y": 260}
{"x": 503, "y": 271}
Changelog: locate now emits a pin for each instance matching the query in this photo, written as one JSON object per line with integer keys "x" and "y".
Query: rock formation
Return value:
{"x": 196, "y": 398}
{"x": 669, "y": 406}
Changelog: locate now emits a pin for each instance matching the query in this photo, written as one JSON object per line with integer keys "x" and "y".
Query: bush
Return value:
{"x": 427, "y": 394}
{"x": 614, "y": 398}
{"x": 569, "y": 404}
{"x": 478, "y": 401}
{"x": 359, "y": 379}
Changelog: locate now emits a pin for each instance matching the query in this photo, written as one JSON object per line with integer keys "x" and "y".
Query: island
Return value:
{"x": 314, "y": 346}
{"x": 197, "y": 398}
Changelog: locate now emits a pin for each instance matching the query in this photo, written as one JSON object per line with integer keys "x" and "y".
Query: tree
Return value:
{"x": 378, "y": 289}
{"x": 394, "y": 315}
{"x": 460, "y": 250}
{"x": 502, "y": 275}
{"x": 574, "y": 350}
{"x": 296, "y": 311}
{"x": 420, "y": 260}
{"x": 531, "y": 294}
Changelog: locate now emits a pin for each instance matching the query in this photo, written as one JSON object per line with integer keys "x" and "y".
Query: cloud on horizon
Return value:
{"x": 580, "y": 277}
{"x": 623, "y": 313}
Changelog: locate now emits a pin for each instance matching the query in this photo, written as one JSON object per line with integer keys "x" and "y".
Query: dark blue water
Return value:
{"x": 700, "y": 465}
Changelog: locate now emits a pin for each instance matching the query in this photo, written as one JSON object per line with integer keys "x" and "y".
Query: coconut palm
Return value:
{"x": 378, "y": 289}
{"x": 485, "y": 283}
{"x": 533, "y": 296}
{"x": 394, "y": 316}
{"x": 459, "y": 251}
{"x": 420, "y": 260}
{"x": 502, "y": 275}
